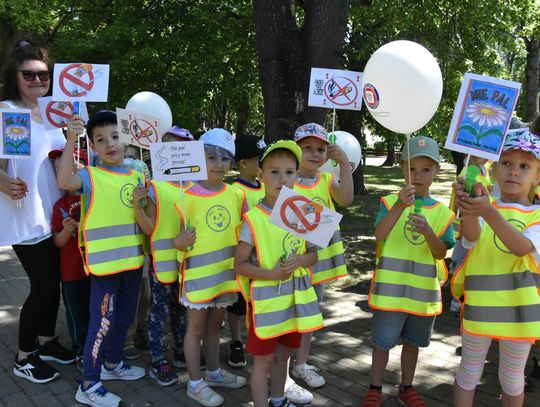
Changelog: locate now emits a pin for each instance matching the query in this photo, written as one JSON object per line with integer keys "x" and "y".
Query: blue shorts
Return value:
{"x": 390, "y": 328}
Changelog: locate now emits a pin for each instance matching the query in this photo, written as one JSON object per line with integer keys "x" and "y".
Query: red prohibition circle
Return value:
{"x": 66, "y": 75}
{"x": 341, "y": 90}
{"x": 53, "y": 108}
{"x": 292, "y": 204}
{"x": 148, "y": 132}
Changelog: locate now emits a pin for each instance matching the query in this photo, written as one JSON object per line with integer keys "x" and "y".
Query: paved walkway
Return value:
{"x": 342, "y": 351}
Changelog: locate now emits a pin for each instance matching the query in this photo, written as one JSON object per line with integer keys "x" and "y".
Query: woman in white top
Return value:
{"x": 26, "y": 203}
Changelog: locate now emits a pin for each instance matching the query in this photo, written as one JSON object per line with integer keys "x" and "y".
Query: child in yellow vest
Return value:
{"x": 161, "y": 224}
{"x": 249, "y": 149}
{"x": 212, "y": 213}
{"x": 321, "y": 187}
{"x": 274, "y": 284}
{"x": 499, "y": 277}
{"x": 405, "y": 292}
{"x": 112, "y": 252}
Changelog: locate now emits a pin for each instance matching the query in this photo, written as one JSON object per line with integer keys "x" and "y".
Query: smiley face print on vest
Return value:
{"x": 126, "y": 195}
{"x": 218, "y": 218}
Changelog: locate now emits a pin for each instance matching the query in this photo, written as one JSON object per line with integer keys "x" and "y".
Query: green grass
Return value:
{"x": 357, "y": 222}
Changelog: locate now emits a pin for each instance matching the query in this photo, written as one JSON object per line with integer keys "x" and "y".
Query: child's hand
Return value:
{"x": 478, "y": 206}
{"x": 17, "y": 188}
{"x": 281, "y": 271}
{"x": 75, "y": 127}
{"x": 418, "y": 224}
{"x": 185, "y": 239}
{"x": 139, "y": 194}
{"x": 70, "y": 224}
{"x": 337, "y": 154}
{"x": 406, "y": 195}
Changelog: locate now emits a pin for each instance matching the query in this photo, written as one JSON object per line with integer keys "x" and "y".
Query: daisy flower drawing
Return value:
{"x": 16, "y": 140}
{"x": 486, "y": 114}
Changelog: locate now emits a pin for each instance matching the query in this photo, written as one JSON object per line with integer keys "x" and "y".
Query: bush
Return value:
{"x": 379, "y": 148}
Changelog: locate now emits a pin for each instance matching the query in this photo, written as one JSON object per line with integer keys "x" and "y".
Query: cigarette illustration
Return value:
{"x": 188, "y": 169}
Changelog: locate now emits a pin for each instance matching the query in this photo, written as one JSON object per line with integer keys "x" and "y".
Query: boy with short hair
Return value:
{"x": 405, "y": 292}
{"x": 112, "y": 249}
{"x": 282, "y": 301}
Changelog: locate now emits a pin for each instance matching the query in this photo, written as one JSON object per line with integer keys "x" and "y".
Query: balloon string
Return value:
{"x": 466, "y": 166}
{"x": 409, "y": 163}
{"x": 333, "y": 119}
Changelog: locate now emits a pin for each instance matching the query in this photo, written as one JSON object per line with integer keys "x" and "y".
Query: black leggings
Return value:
{"x": 41, "y": 262}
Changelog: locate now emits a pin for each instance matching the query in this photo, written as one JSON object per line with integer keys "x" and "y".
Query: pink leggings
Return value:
{"x": 512, "y": 360}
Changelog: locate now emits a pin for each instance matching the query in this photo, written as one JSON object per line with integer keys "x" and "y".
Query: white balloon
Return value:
{"x": 402, "y": 86}
{"x": 152, "y": 104}
{"x": 352, "y": 149}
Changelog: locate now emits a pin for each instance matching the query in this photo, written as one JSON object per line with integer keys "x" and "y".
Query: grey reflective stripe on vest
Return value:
{"x": 405, "y": 291}
{"x": 521, "y": 313}
{"x": 112, "y": 231}
{"x": 115, "y": 254}
{"x": 328, "y": 264}
{"x": 296, "y": 311}
{"x": 211, "y": 281}
{"x": 336, "y": 237}
{"x": 166, "y": 265}
{"x": 407, "y": 266}
{"x": 205, "y": 259}
{"x": 163, "y": 244}
{"x": 502, "y": 282}
{"x": 287, "y": 287}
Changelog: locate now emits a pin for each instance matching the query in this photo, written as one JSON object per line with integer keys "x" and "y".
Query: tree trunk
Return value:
{"x": 350, "y": 121}
{"x": 390, "y": 155}
{"x": 532, "y": 78}
{"x": 286, "y": 54}
{"x": 242, "y": 115}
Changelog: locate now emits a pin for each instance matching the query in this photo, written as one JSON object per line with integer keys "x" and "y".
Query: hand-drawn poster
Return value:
{"x": 56, "y": 114}
{"x": 482, "y": 115}
{"x": 178, "y": 161}
{"x": 15, "y": 140}
{"x": 304, "y": 218}
{"x": 335, "y": 89}
{"x": 136, "y": 128}
{"x": 80, "y": 81}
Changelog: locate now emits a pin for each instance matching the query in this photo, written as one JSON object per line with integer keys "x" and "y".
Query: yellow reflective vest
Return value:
{"x": 275, "y": 310}
{"x": 166, "y": 227}
{"x": 331, "y": 260}
{"x": 407, "y": 277}
{"x": 253, "y": 195}
{"x": 207, "y": 270}
{"x": 501, "y": 292}
{"x": 112, "y": 241}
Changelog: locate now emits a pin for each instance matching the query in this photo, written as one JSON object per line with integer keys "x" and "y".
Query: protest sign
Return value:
{"x": 178, "y": 161}
{"x": 482, "y": 116}
{"x": 80, "y": 81}
{"x": 56, "y": 114}
{"x": 304, "y": 218}
{"x": 136, "y": 128}
{"x": 335, "y": 89}
{"x": 16, "y": 135}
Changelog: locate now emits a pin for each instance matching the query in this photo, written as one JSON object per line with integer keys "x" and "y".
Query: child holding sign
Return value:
{"x": 405, "y": 292}
{"x": 322, "y": 188}
{"x": 112, "y": 252}
{"x": 499, "y": 277}
{"x": 281, "y": 307}
{"x": 209, "y": 220}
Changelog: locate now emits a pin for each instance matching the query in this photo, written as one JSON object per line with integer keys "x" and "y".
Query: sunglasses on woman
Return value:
{"x": 31, "y": 75}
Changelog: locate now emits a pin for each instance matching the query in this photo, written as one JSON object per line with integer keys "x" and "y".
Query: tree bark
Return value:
{"x": 242, "y": 115}
{"x": 286, "y": 53}
{"x": 390, "y": 155}
{"x": 532, "y": 78}
{"x": 350, "y": 121}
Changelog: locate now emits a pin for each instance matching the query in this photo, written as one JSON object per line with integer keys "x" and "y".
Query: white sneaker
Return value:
{"x": 225, "y": 379}
{"x": 96, "y": 396}
{"x": 298, "y": 394}
{"x": 204, "y": 395}
{"x": 122, "y": 371}
{"x": 308, "y": 374}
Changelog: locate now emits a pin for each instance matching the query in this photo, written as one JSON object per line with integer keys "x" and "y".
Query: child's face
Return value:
{"x": 517, "y": 172}
{"x": 249, "y": 167}
{"x": 216, "y": 166}
{"x": 278, "y": 170}
{"x": 313, "y": 153}
{"x": 107, "y": 145}
{"x": 423, "y": 172}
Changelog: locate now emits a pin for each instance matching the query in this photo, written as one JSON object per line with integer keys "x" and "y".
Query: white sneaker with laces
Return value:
{"x": 122, "y": 371}
{"x": 298, "y": 394}
{"x": 204, "y": 395}
{"x": 96, "y": 396}
{"x": 309, "y": 375}
{"x": 225, "y": 379}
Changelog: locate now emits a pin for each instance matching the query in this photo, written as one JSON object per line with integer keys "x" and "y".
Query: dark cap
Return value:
{"x": 103, "y": 117}
{"x": 249, "y": 146}
{"x": 54, "y": 154}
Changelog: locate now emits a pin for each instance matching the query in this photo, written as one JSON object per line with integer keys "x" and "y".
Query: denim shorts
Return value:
{"x": 221, "y": 301}
{"x": 390, "y": 328}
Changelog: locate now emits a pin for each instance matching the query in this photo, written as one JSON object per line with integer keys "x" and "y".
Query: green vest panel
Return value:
{"x": 253, "y": 195}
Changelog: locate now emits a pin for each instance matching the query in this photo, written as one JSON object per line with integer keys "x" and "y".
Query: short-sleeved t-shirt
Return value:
{"x": 447, "y": 237}
{"x": 71, "y": 264}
